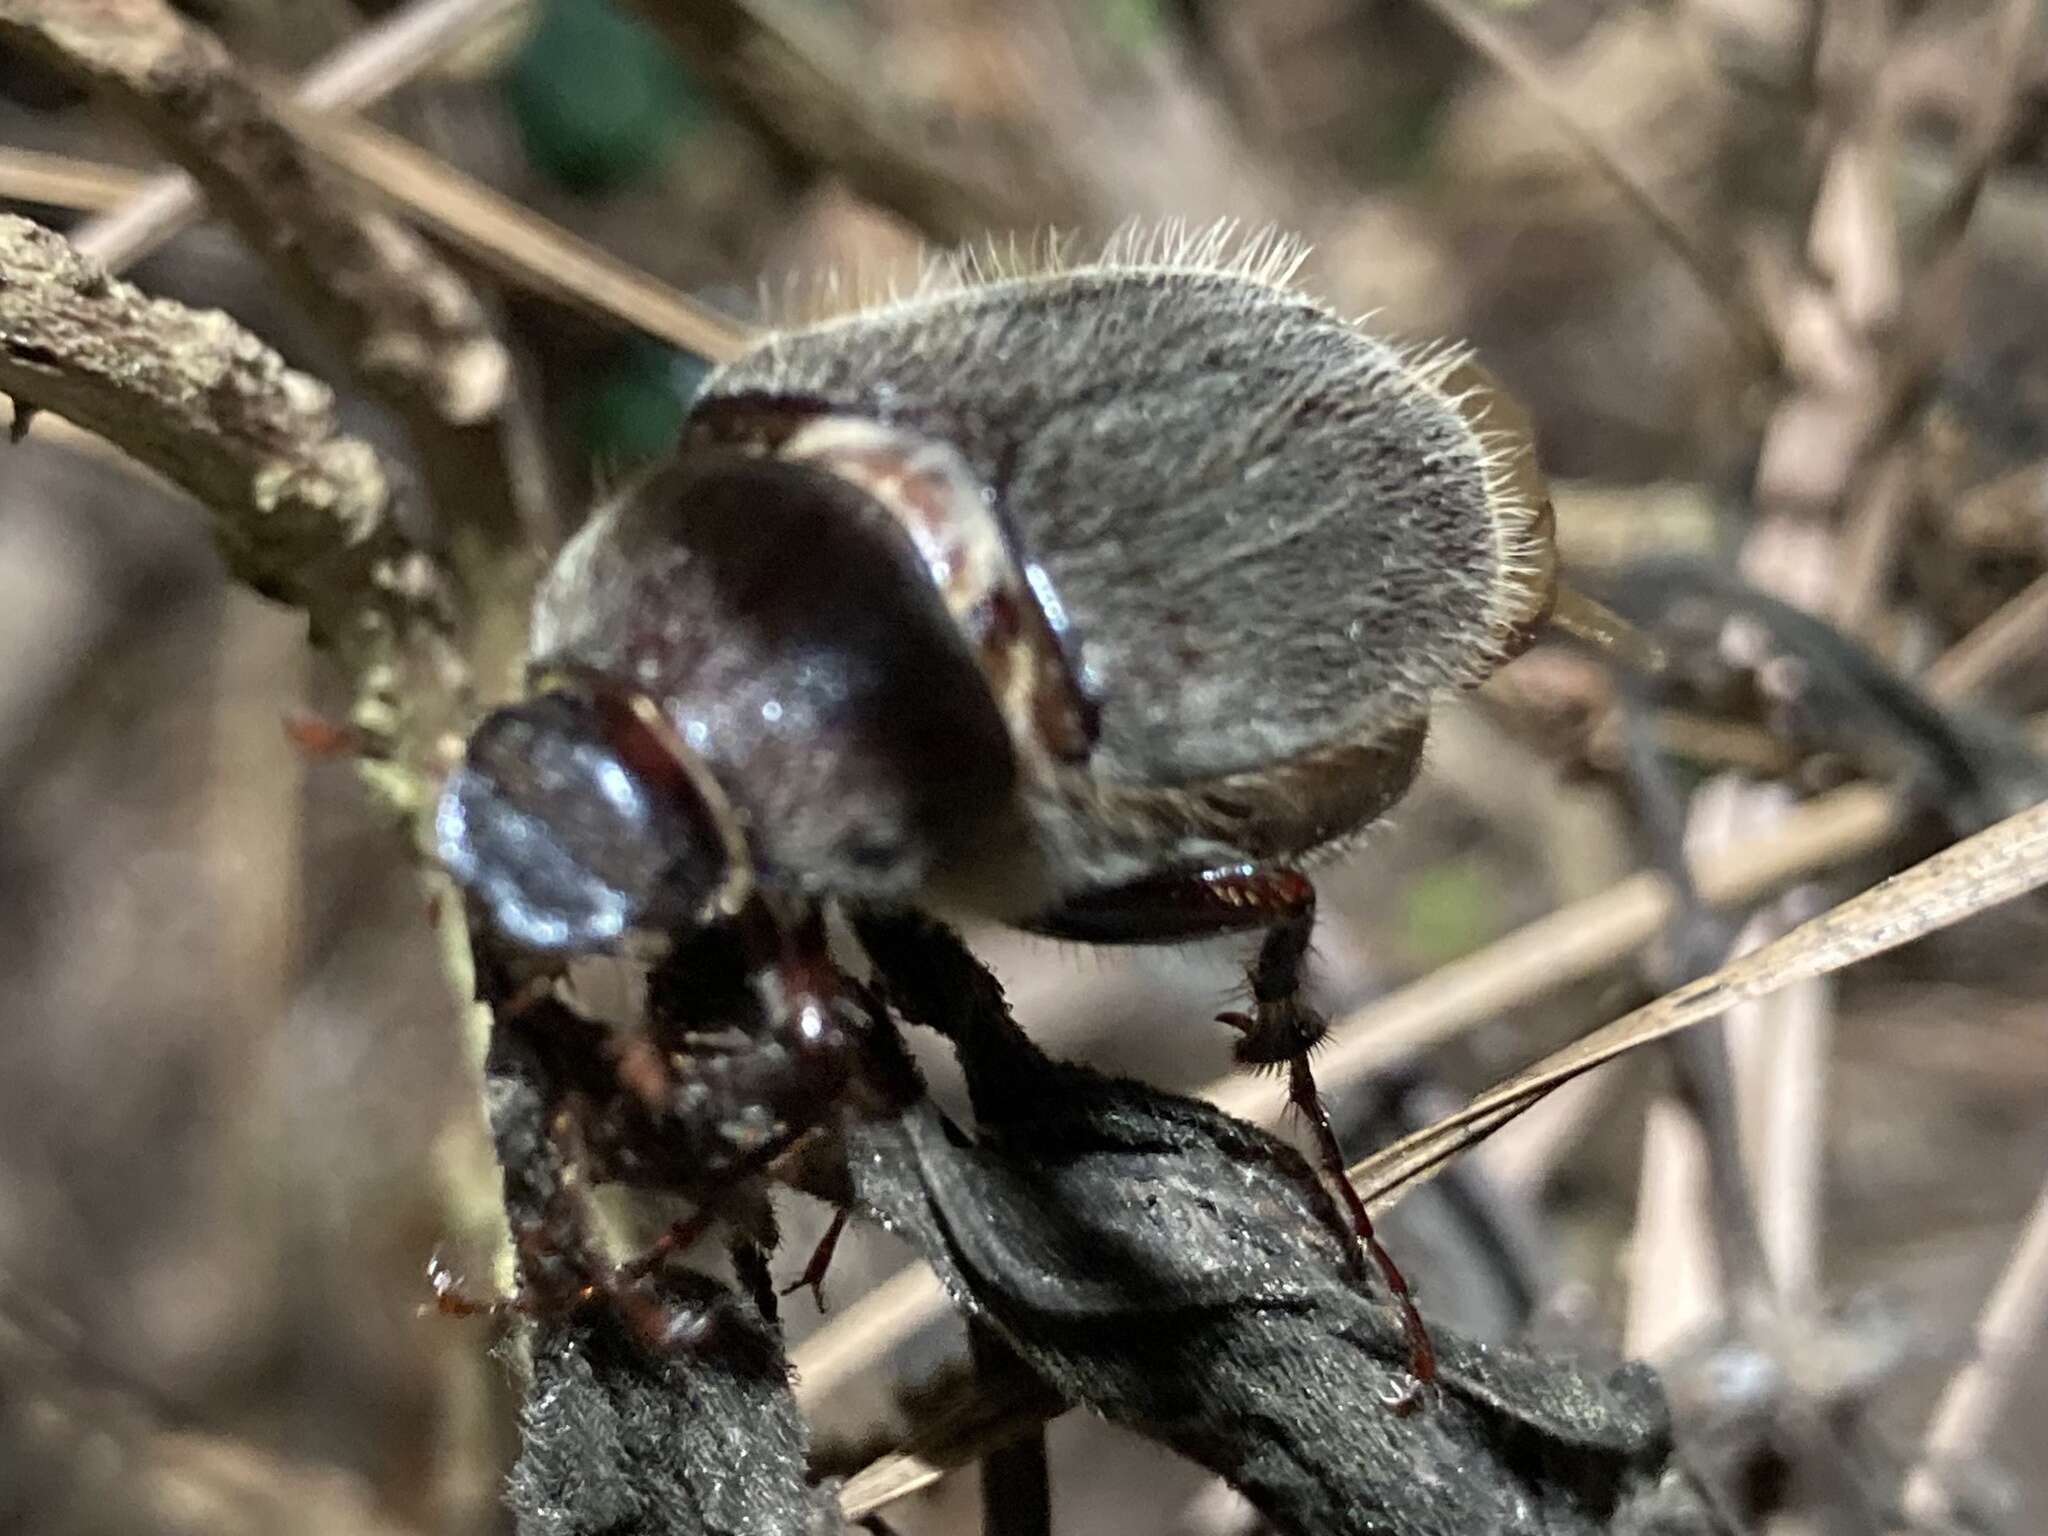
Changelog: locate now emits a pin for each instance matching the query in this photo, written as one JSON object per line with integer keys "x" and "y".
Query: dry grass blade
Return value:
{"x": 1581, "y": 940}
{"x": 991, "y": 1418}
{"x": 365, "y": 69}
{"x": 953, "y": 1442}
{"x": 896, "y": 1476}
{"x": 65, "y": 181}
{"x": 1979, "y": 873}
{"x": 848, "y": 1346}
{"x": 514, "y": 242}
{"x": 519, "y": 244}
{"x": 2016, "y": 633}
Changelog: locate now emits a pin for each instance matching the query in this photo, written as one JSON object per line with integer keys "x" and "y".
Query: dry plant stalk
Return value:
{"x": 65, "y": 181}
{"x": 517, "y": 243}
{"x": 1996, "y": 866}
{"x": 513, "y": 241}
{"x": 2009, "y": 1331}
{"x": 2016, "y": 633}
{"x": 301, "y": 512}
{"x": 367, "y": 68}
{"x": 410, "y": 325}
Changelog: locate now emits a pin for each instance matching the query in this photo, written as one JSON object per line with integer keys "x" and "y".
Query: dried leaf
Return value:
{"x": 697, "y": 1434}
{"x": 1184, "y": 1274}
{"x": 616, "y": 1440}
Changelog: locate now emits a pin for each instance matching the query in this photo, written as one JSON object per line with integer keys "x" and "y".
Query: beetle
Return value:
{"x": 1097, "y": 600}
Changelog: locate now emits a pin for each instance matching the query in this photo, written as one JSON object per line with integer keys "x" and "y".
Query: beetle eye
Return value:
{"x": 565, "y": 843}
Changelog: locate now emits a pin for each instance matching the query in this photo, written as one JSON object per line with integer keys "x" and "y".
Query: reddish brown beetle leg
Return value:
{"x": 681, "y": 1237}
{"x": 1302, "y": 1094}
{"x": 813, "y": 1277}
{"x": 1280, "y": 1029}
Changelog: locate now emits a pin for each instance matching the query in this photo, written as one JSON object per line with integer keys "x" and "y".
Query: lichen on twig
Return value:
{"x": 410, "y": 325}
{"x": 301, "y": 512}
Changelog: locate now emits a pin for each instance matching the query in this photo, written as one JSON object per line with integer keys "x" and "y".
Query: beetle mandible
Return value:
{"x": 1096, "y": 601}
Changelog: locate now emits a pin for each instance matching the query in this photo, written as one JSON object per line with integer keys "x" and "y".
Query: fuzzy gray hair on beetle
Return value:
{"x": 1206, "y": 463}
{"x": 1092, "y": 598}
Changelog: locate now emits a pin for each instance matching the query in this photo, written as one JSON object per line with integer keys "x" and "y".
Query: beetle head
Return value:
{"x": 577, "y": 819}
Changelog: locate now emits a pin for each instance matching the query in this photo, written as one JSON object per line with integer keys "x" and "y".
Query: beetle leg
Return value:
{"x": 681, "y": 1237}
{"x": 813, "y": 1276}
{"x": 1200, "y": 903}
{"x": 615, "y": 1101}
{"x": 1281, "y": 1028}
{"x": 750, "y": 1268}
{"x": 563, "y": 1274}
{"x": 453, "y": 1298}
{"x": 1302, "y": 1094}
{"x": 560, "y": 1262}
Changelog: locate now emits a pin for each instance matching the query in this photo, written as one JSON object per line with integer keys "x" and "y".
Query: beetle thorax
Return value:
{"x": 798, "y": 650}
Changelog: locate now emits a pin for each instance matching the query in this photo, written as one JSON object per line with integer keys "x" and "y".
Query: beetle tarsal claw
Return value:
{"x": 1276, "y": 1031}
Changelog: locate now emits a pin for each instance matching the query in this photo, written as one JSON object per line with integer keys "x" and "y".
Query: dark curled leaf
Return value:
{"x": 618, "y": 1437}
{"x": 1827, "y": 692}
{"x": 615, "y": 1441}
{"x": 1184, "y": 1274}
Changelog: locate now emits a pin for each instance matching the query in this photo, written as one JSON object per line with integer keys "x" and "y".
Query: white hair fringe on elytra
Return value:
{"x": 1265, "y": 255}
{"x": 1518, "y": 552}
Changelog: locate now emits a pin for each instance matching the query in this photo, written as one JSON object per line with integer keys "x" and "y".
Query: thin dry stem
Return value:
{"x": 859, "y": 1334}
{"x": 520, "y": 245}
{"x": 369, "y": 67}
{"x": 1585, "y": 938}
{"x": 1873, "y": 536}
{"x": 300, "y": 511}
{"x": 895, "y": 1476}
{"x": 1675, "y": 1285}
{"x": 2010, "y": 1329}
{"x": 511, "y": 240}
{"x": 65, "y": 181}
{"x": 1777, "y": 1052}
{"x": 410, "y": 324}
{"x": 1876, "y": 484}
{"x": 2017, "y": 633}
{"x": 2003, "y": 862}
{"x": 1781, "y": 1046}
